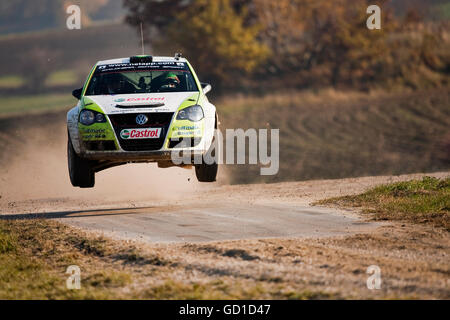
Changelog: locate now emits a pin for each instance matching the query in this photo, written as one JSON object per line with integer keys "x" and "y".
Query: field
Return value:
{"x": 58, "y": 61}
{"x": 17, "y": 105}
{"x": 332, "y": 134}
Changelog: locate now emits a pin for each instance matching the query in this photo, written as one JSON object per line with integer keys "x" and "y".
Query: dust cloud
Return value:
{"x": 34, "y": 166}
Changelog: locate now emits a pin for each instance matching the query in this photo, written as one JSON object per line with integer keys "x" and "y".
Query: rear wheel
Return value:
{"x": 80, "y": 171}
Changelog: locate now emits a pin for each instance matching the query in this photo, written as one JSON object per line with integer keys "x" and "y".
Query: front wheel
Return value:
{"x": 80, "y": 171}
{"x": 206, "y": 172}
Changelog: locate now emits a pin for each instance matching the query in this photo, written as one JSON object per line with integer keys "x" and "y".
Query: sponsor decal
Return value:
{"x": 114, "y": 67}
{"x": 195, "y": 127}
{"x": 144, "y": 133}
{"x": 89, "y": 134}
{"x": 92, "y": 136}
{"x": 93, "y": 130}
{"x": 145, "y": 99}
{"x": 119, "y": 100}
{"x": 186, "y": 131}
{"x": 187, "y": 134}
{"x": 125, "y": 134}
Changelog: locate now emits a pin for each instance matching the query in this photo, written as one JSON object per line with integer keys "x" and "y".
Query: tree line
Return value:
{"x": 262, "y": 44}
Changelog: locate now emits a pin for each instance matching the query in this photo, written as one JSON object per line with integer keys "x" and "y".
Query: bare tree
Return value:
{"x": 36, "y": 66}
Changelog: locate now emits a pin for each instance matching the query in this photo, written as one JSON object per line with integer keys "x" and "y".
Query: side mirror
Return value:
{"x": 77, "y": 93}
{"x": 206, "y": 87}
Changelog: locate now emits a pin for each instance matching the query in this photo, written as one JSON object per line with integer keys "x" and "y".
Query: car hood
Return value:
{"x": 150, "y": 102}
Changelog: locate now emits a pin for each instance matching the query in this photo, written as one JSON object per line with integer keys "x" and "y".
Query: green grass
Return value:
{"x": 62, "y": 78}
{"x": 8, "y": 243}
{"x": 11, "y": 82}
{"x": 36, "y": 103}
{"x": 419, "y": 201}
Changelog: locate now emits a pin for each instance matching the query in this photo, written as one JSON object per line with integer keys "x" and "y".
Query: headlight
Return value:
{"x": 192, "y": 113}
{"x": 88, "y": 117}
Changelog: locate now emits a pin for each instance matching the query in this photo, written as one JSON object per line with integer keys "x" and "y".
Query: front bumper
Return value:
{"x": 140, "y": 156}
{"x": 104, "y": 141}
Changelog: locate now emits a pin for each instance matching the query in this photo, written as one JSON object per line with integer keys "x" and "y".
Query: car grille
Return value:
{"x": 128, "y": 121}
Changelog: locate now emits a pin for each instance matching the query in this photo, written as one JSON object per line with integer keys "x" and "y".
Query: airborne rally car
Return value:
{"x": 140, "y": 109}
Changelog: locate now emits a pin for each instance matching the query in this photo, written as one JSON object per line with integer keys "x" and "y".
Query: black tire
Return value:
{"x": 207, "y": 172}
{"x": 80, "y": 172}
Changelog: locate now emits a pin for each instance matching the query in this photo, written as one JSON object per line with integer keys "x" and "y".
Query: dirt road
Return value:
{"x": 198, "y": 222}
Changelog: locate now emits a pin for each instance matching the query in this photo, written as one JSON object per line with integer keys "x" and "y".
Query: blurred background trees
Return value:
{"x": 217, "y": 42}
{"x": 260, "y": 44}
{"x": 247, "y": 45}
{"x": 213, "y": 34}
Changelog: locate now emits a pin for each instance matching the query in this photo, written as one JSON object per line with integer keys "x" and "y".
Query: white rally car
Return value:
{"x": 140, "y": 109}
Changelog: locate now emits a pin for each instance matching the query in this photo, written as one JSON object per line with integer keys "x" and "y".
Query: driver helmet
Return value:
{"x": 170, "y": 80}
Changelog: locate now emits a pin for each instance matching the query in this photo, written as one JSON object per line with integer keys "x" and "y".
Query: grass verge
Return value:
{"x": 37, "y": 103}
{"x": 34, "y": 256}
{"x": 418, "y": 201}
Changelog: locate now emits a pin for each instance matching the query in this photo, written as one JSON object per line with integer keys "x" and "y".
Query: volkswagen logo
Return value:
{"x": 141, "y": 119}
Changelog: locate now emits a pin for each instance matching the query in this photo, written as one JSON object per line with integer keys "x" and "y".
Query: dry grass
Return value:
{"x": 32, "y": 266}
{"x": 418, "y": 201}
{"x": 34, "y": 255}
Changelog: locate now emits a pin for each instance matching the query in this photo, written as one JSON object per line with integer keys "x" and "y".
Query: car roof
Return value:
{"x": 127, "y": 60}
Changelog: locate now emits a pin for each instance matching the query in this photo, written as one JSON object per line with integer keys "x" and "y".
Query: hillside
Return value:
{"x": 336, "y": 135}
{"x": 17, "y": 16}
{"x": 69, "y": 49}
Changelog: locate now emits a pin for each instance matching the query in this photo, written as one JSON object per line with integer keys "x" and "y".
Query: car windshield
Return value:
{"x": 126, "y": 78}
